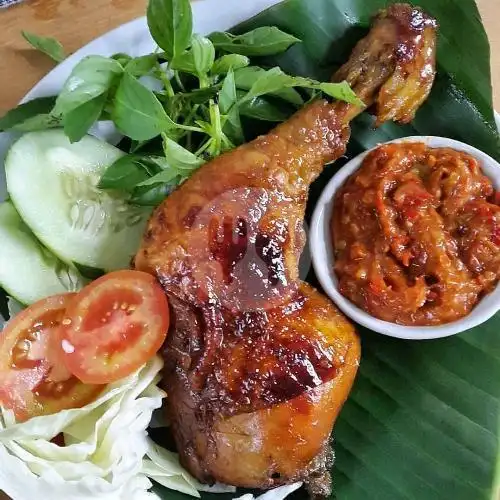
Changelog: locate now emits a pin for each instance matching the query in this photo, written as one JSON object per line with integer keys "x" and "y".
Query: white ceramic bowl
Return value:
{"x": 320, "y": 242}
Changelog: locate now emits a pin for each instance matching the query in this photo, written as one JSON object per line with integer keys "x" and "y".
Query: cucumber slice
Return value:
{"x": 53, "y": 185}
{"x": 28, "y": 271}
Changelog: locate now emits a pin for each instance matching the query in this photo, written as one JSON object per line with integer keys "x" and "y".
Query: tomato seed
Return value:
{"x": 66, "y": 321}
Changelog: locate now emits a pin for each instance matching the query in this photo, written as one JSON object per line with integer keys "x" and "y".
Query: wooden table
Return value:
{"x": 76, "y": 22}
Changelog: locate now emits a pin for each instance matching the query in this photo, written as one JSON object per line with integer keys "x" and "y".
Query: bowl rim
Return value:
{"x": 322, "y": 253}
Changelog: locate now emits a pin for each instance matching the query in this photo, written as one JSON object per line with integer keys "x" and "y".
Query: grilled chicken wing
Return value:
{"x": 257, "y": 363}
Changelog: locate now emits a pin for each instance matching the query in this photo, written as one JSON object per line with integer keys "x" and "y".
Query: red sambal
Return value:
{"x": 416, "y": 233}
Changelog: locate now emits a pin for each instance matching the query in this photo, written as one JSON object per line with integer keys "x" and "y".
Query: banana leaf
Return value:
{"x": 422, "y": 422}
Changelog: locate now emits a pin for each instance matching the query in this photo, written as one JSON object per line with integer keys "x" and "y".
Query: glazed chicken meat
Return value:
{"x": 257, "y": 362}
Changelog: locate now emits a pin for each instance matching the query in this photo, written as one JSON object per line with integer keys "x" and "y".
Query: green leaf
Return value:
{"x": 259, "y": 108}
{"x": 49, "y": 46}
{"x": 39, "y": 122}
{"x": 271, "y": 81}
{"x": 341, "y": 91}
{"x": 39, "y": 107}
{"x": 229, "y": 61}
{"x": 227, "y": 95}
{"x": 228, "y": 98}
{"x": 126, "y": 173}
{"x": 180, "y": 158}
{"x": 151, "y": 196}
{"x": 184, "y": 63}
{"x": 122, "y": 58}
{"x": 166, "y": 176}
{"x": 246, "y": 77}
{"x": 171, "y": 25}
{"x": 198, "y": 59}
{"x": 77, "y": 122}
{"x": 91, "y": 77}
{"x": 140, "y": 66}
{"x": 137, "y": 112}
{"x": 263, "y": 41}
{"x": 203, "y": 54}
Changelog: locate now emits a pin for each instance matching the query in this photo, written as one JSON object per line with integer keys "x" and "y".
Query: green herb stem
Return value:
{"x": 179, "y": 81}
{"x": 165, "y": 80}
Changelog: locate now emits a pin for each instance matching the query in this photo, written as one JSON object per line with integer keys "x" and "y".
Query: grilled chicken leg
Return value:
{"x": 257, "y": 363}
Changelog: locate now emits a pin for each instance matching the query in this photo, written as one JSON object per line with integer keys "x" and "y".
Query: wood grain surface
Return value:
{"x": 77, "y": 22}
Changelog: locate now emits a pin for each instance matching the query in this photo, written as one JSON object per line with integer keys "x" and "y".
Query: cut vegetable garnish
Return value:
{"x": 77, "y": 221}
{"x": 33, "y": 379}
{"x": 28, "y": 271}
{"x": 114, "y": 326}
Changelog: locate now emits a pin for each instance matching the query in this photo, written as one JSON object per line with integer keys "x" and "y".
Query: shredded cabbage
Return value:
{"x": 105, "y": 445}
{"x": 275, "y": 494}
{"x": 163, "y": 466}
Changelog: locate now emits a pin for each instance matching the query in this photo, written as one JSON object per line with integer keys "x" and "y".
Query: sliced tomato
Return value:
{"x": 33, "y": 378}
{"x": 114, "y": 326}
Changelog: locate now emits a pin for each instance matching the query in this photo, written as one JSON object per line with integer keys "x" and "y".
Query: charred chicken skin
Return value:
{"x": 257, "y": 363}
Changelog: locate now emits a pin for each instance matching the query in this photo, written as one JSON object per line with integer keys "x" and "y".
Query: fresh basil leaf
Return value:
{"x": 140, "y": 66}
{"x": 122, "y": 58}
{"x": 269, "y": 82}
{"x": 227, "y": 95}
{"x": 274, "y": 79}
{"x": 184, "y": 62}
{"x": 39, "y": 122}
{"x": 49, "y": 46}
{"x": 137, "y": 112}
{"x": 261, "y": 109}
{"x": 227, "y": 102}
{"x": 203, "y": 54}
{"x": 171, "y": 25}
{"x": 165, "y": 176}
{"x": 198, "y": 59}
{"x": 229, "y": 61}
{"x": 31, "y": 109}
{"x": 341, "y": 91}
{"x": 125, "y": 173}
{"x": 246, "y": 77}
{"x": 91, "y": 77}
{"x": 263, "y": 41}
{"x": 180, "y": 158}
{"x": 152, "y": 196}
{"x": 78, "y": 121}
{"x": 136, "y": 145}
